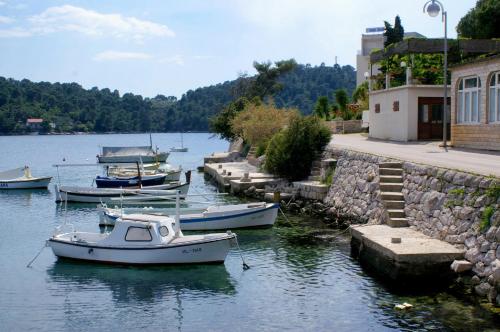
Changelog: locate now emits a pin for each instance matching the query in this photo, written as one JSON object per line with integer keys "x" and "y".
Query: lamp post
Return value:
{"x": 433, "y": 7}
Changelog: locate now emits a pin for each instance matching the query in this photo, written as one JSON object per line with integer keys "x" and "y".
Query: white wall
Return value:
{"x": 402, "y": 125}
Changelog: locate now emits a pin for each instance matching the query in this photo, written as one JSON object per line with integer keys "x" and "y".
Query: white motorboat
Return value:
{"x": 21, "y": 178}
{"x": 131, "y": 154}
{"x": 116, "y": 195}
{"x": 143, "y": 239}
{"x": 214, "y": 217}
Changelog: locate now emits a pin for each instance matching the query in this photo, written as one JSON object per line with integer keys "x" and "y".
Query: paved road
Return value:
{"x": 428, "y": 153}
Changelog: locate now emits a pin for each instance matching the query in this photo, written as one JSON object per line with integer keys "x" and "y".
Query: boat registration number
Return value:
{"x": 4, "y": 185}
{"x": 191, "y": 251}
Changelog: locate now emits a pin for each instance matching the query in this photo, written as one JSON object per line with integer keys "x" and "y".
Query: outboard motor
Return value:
{"x": 188, "y": 176}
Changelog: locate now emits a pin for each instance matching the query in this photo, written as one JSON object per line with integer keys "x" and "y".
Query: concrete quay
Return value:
{"x": 230, "y": 176}
{"x": 402, "y": 254}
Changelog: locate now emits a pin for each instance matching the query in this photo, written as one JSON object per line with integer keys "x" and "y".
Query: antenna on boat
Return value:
{"x": 177, "y": 213}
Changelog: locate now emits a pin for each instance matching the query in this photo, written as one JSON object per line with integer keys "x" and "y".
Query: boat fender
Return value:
{"x": 91, "y": 251}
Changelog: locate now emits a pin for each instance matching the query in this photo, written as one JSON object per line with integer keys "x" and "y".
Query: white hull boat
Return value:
{"x": 117, "y": 195}
{"x": 131, "y": 154}
{"x": 160, "y": 157}
{"x": 181, "y": 148}
{"x": 143, "y": 240}
{"x": 213, "y": 218}
{"x": 20, "y": 178}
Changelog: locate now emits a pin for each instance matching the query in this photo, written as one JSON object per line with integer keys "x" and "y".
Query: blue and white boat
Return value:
{"x": 221, "y": 217}
{"x": 129, "y": 181}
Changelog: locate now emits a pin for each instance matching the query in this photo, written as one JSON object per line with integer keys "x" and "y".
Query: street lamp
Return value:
{"x": 433, "y": 7}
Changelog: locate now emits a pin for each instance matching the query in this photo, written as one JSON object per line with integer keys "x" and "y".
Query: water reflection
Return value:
{"x": 142, "y": 284}
{"x": 23, "y": 197}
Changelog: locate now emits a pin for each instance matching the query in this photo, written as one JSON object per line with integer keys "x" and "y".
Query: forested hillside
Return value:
{"x": 71, "y": 108}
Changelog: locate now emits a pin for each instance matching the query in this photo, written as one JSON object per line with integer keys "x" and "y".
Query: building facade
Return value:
{"x": 475, "y": 101}
{"x": 407, "y": 113}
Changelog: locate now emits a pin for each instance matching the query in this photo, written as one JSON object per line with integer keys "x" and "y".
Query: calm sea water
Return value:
{"x": 289, "y": 286}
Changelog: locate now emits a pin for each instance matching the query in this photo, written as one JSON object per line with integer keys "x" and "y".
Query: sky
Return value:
{"x": 168, "y": 47}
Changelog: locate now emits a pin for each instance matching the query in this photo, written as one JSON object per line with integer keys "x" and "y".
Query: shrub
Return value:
{"x": 291, "y": 152}
{"x": 257, "y": 123}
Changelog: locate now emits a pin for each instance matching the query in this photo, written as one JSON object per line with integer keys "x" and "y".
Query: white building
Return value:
{"x": 372, "y": 40}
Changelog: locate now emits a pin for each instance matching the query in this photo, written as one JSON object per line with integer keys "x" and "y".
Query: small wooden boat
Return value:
{"x": 214, "y": 217}
{"x": 170, "y": 173}
{"x": 21, "y": 178}
{"x": 131, "y": 181}
{"x": 143, "y": 239}
{"x": 116, "y": 195}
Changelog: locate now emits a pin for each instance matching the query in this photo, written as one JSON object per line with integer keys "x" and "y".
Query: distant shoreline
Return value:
{"x": 106, "y": 133}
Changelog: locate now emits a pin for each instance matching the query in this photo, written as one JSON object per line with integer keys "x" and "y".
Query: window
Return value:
{"x": 377, "y": 108}
{"x": 163, "y": 231}
{"x": 395, "y": 106}
{"x": 468, "y": 110}
{"x": 423, "y": 113}
{"x": 494, "y": 98}
{"x": 138, "y": 234}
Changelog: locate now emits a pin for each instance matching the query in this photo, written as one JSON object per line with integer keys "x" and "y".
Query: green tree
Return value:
{"x": 342, "y": 100}
{"x": 322, "y": 108}
{"x": 399, "y": 31}
{"x": 360, "y": 96}
{"x": 482, "y": 21}
{"x": 266, "y": 82}
{"x": 263, "y": 85}
{"x": 393, "y": 34}
{"x": 221, "y": 123}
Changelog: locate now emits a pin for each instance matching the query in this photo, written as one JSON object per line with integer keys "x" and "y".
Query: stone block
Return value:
{"x": 460, "y": 266}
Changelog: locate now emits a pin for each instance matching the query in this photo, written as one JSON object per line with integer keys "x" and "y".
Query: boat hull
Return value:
{"x": 35, "y": 183}
{"x": 214, "y": 251}
{"x": 115, "y": 195}
{"x": 124, "y": 182}
{"x": 179, "y": 150}
{"x": 264, "y": 217}
{"x": 160, "y": 157}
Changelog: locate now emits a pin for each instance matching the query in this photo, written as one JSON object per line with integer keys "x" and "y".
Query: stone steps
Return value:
{"x": 391, "y": 179}
{"x": 400, "y": 205}
{"x": 316, "y": 172}
{"x": 391, "y": 164}
{"x": 396, "y": 213}
{"x": 391, "y": 187}
{"x": 390, "y": 171}
{"x": 392, "y": 196}
{"x": 397, "y": 222}
{"x": 314, "y": 178}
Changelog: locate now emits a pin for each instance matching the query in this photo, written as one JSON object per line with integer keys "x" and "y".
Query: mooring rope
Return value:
{"x": 245, "y": 265}
{"x": 39, "y": 252}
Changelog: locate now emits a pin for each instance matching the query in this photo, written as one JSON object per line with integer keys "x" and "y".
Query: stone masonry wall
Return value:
{"x": 450, "y": 206}
{"x": 444, "y": 204}
{"x": 354, "y": 192}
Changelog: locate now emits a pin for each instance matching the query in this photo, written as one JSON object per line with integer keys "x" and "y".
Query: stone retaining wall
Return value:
{"x": 355, "y": 192}
{"x": 445, "y": 204}
{"x": 345, "y": 127}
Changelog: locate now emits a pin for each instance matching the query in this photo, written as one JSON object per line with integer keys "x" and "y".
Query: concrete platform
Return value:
{"x": 417, "y": 257}
{"x": 311, "y": 189}
{"x": 229, "y": 175}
